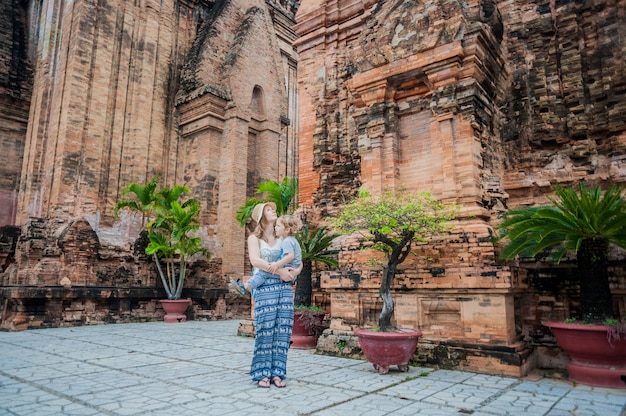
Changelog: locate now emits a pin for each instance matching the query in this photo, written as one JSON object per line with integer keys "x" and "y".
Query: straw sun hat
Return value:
{"x": 257, "y": 213}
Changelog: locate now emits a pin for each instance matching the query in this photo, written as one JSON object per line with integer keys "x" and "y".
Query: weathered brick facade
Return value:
{"x": 485, "y": 104}
{"x": 121, "y": 92}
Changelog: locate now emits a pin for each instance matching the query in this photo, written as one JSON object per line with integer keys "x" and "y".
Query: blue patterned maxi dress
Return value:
{"x": 273, "y": 318}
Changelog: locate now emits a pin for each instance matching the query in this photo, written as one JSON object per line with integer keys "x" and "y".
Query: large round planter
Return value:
{"x": 306, "y": 325}
{"x": 175, "y": 310}
{"x": 384, "y": 349}
{"x": 593, "y": 359}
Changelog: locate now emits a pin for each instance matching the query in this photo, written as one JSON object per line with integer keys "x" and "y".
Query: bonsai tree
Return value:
{"x": 171, "y": 222}
{"x": 393, "y": 223}
{"x": 585, "y": 224}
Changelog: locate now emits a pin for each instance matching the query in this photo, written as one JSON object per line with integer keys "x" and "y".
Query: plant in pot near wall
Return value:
{"x": 171, "y": 223}
{"x": 308, "y": 318}
{"x": 392, "y": 222}
{"x": 586, "y": 224}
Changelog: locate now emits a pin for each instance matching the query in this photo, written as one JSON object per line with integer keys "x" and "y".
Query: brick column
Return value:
{"x": 232, "y": 195}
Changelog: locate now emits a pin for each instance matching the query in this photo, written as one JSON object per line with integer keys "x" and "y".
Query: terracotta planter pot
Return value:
{"x": 384, "y": 349}
{"x": 305, "y": 331}
{"x": 593, "y": 360}
{"x": 175, "y": 309}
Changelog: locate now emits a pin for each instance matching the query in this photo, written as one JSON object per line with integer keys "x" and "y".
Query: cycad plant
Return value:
{"x": 315, "y": 248}
{"x": 584, "y": 223}
{"x": 170, "y": 225}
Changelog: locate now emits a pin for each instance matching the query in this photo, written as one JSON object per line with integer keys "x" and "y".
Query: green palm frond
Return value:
{"x": 144, "y": 197}
{"x": 564, "y": 225}
{"x": 282, "y": 194}
{"x": 315, "y": 244}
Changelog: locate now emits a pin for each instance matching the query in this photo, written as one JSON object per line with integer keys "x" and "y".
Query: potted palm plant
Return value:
{"x": 171, "y": 223}
{"x": 308, "y": 318}
{"x": 586, "y": 224}
{"x": 392, "y": 223}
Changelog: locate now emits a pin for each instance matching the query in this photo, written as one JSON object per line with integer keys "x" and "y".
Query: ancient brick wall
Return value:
{"x": 15, "y": 92}
{"x": 120, "y": 64}
{"x": 485, "y": 105}
{"x": 567, "y": 116}
{"x": 120, "y": 94}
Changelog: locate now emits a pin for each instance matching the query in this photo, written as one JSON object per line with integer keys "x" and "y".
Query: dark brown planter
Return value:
{"x": 175, "y": 309}
{"x": 306, "y": 329}
{"x": 593, "y": 359}
{"x": 384, "y": 349}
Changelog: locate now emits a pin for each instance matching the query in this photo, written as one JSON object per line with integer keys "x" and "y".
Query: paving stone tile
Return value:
{"x": 202, "y": 368}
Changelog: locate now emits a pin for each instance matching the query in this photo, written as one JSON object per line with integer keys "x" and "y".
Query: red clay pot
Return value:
{"x": 304, "y": 336}
{"x": 175, "y": 309}
{"x": 593, "y": 360}
{"x": 384, "y": 349}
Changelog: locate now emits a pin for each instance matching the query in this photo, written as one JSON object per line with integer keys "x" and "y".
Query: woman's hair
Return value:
{"x": 291, "y": 222}
{"x": 261, "y": 226}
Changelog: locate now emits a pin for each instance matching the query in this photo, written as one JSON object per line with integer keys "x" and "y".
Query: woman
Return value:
{"x": 273, "y": 301}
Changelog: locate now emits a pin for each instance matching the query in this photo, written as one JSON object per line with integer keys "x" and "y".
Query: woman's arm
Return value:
{"x": 289, "y": 274}
{"x": 287, "y": 258}
{"x": 254, "y": 253}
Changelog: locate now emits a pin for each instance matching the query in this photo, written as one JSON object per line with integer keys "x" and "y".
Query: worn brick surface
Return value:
{"x": 15, "y": 93}
{"x": 201, "y": 93}
{"x": 485, "y": 104}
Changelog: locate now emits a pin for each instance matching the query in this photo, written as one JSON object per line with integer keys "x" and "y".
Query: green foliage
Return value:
{"x": 171, "y": 223}
{"x": 395, "y": 219}
{"x": 310, "y": 308}
{"x": 282, "y": 194}
{"x": 315, "y": 248}
{"x": 564, "y": 225}
{"x": 315, "y": 244}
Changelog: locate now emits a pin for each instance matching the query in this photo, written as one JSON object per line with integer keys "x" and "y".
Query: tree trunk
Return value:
{"x": 384, "y": 321}
{"x": 595, "y": 292}
{"x": 304, "y": 288}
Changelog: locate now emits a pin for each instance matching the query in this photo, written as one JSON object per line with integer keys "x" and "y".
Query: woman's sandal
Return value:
{"x": 264, "y": 383}
{"x": 278, "y": 382}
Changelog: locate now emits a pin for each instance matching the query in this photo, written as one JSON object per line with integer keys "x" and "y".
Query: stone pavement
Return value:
{"x": 200, "y": 368}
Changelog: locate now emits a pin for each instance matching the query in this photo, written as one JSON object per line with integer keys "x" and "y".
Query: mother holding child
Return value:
{"x": 276, "y": 260}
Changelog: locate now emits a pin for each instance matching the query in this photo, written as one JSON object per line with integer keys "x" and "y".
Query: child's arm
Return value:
{"x": 287, "y": 257}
